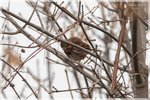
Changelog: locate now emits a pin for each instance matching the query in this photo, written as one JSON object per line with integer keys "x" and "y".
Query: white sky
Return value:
{"x": 60, "y": 82}
{"x": 18, "y": 6}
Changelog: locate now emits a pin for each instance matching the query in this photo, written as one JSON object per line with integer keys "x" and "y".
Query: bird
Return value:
{"x": 74, "y": 52}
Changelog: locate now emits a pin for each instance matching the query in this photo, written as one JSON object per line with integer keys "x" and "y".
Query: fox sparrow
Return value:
{"x": 73, "y": 52}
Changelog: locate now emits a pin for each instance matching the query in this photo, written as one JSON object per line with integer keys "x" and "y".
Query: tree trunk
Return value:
{"x": 140, "y": 76}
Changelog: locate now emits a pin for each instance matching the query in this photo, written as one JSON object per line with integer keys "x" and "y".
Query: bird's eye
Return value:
{"x": 68, "y": 46}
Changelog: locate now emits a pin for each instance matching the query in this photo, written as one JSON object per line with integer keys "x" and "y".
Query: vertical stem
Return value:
{"x": 120, "y": 40}
{"x": 140, "y": 83}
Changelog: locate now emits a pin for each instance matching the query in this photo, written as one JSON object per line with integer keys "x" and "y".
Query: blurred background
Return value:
{"x": 44, "y": 74}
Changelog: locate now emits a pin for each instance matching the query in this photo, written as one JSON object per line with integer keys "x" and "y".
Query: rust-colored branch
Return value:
{"x": 121, "y": 37}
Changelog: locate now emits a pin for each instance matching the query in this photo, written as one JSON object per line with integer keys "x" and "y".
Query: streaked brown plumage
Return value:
{"x": 73, "y": 52}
